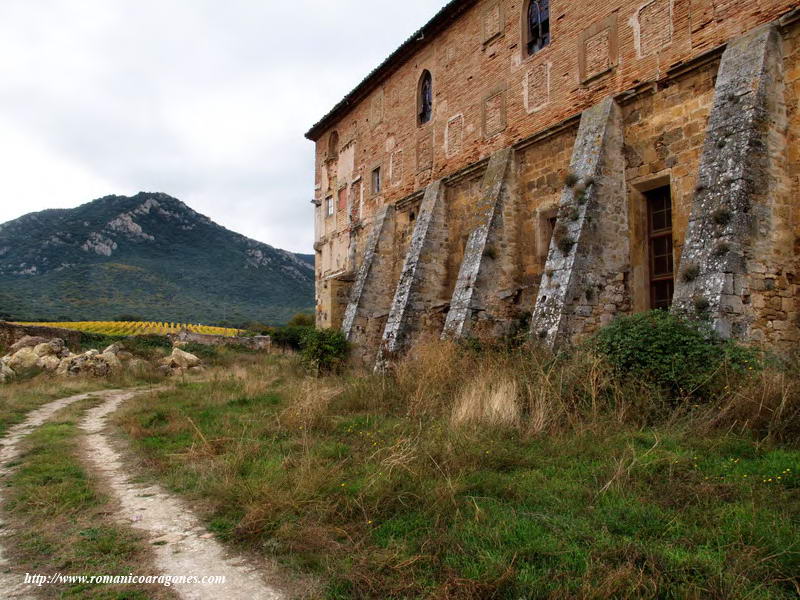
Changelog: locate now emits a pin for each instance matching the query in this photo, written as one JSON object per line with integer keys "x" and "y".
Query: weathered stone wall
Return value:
{"x": 258, "y": 342}
{"x": 420, "y": 285}
{"x": 584, "y": 284}
{"x": 664, "y": 133}
{"x": 11, "y": 333}
{"x": 485, "y": 272}
{"x": 484, "y": 266}
{"x": 488, "y": 95}
{"x": 734, "y": 238}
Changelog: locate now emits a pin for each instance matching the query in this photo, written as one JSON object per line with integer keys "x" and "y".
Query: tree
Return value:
{"x": 301, "y": 320}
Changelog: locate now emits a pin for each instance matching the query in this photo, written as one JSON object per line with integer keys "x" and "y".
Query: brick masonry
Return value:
{"x": 657, "y": 65}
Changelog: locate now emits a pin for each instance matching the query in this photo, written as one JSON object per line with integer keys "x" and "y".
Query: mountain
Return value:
{"x": 148, "y": 255}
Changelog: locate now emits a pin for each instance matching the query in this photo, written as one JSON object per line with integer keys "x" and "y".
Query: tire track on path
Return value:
{"x": 11, "y": 583}
{"x": 181, "y": 545}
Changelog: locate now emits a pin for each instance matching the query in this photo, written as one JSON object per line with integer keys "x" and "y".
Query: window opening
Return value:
{"x": 659, "y": 226}
{"x": 538, "y": 25}
{"x": 376, "y": 180}
{"x": 425, "y": 98}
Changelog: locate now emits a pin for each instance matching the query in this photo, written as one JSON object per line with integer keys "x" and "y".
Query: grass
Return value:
{"x": 18, "y": 398}
{"x": 62, "y": 520}
{"x": 489, "y": 476}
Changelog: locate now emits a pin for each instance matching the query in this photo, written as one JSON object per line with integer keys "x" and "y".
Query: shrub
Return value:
{"x": 690, "y": 273}
{"x": 289, "y": 338}
{"x": 722, "y": 216}
{"x": 301, "y": 320}
{"x": 324, "y": 349}
{"x": 565, "y": 244}
{"x": 570, "y": 179}
{"x": 680, "y": 356}
{"x": 128, "y": 318}
{"x": 98, "y": 341}
{"x": 145, "y": 344}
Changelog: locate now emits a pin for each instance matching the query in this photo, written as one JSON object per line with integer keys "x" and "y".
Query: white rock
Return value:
{"x": 27, "y": 342}
{"x": 111, "y": 359}
{"x": 184, "y": 360}
{"x": 23, "y": 360}
{"x": 48, "y": 363}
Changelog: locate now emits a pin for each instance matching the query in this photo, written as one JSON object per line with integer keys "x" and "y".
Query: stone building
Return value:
{"x": 550, "y": 164}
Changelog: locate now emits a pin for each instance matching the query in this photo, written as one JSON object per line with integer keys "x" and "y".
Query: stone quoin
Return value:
{"x": 545, "y": 165}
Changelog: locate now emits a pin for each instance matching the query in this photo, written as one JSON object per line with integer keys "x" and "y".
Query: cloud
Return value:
{"x": 205, "y": 100}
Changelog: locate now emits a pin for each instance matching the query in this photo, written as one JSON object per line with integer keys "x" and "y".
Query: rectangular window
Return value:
{"x": 538, "y": 25}
{"x": 329, "y": 206}
{"x": 355, "y": 201}
{"x": 659, "y": 227}
{"x": 342, "y": 205}
{"x": 376, "y": 181}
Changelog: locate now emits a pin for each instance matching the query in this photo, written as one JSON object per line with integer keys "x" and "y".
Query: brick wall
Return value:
{"x": 658, "y": 59}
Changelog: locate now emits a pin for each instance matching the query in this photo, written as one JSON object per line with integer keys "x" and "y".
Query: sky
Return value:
{"x": 205, "y": 100}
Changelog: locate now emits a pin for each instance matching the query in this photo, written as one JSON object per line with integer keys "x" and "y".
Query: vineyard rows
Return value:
{"x": 138, "y": 327}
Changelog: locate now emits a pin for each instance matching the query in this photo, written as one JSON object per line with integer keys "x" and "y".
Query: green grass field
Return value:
{"x": 62, "y": 522}
{"x": 357, "y": 481}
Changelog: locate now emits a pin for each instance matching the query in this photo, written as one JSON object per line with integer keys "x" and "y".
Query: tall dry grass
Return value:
{"x": 537, "y": 393}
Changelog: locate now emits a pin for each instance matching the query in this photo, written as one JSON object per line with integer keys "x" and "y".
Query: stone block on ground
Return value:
{"x": 23, "y": 360}
{"x": 49, "y": 362}
{"x": 29, "y": 341}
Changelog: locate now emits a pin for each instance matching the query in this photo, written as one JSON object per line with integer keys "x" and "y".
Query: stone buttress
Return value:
{"x": 423, "y": 265}
{"x": 368, "y": 299}
{"x": 732, "y": 214}
{"x": 584, "y": 282}
{"x": 480, "y": 273}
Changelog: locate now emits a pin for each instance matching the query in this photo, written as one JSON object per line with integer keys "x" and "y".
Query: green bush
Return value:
{"x": 98, "y": 341}
{"x": 301, "y": 320}
{"x": 684, "y": 358}
{"x": 289, "y": 338}
{"x": 324, "y": 349}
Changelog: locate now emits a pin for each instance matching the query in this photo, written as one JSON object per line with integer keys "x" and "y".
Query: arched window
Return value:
{"x": 425, "y": 103}
{"x": 333, "y": 145}
{"x": 537, "y": 25}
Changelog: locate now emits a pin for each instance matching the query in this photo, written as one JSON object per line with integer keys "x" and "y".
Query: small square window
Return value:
{"x": 329, "y": 206}
{"x": 376, "y": 181}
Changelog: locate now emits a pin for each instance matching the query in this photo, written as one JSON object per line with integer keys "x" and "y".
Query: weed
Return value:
{"x": 722, "y": 216}
{"x": 470, "y": 474}
{"x": 701, "y": 304}
{"x": 721, "y": 249}
{"x": 570, "y": 179}
{"x": 690, "y": 272}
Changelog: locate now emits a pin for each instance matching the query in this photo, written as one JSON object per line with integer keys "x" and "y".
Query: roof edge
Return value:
{"x": 449, "y": 13}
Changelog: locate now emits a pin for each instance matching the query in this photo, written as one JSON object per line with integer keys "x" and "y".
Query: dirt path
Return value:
{"x": 12, "y": 584}
{"x": 182, "y": 546}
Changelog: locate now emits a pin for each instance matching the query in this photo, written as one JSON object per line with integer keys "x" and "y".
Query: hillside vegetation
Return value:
{"x": 148, "y": 255}
{"x": 632, "y": 468}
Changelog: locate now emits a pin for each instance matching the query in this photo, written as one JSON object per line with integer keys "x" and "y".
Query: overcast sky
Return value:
{"x": 205, "y": 100}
